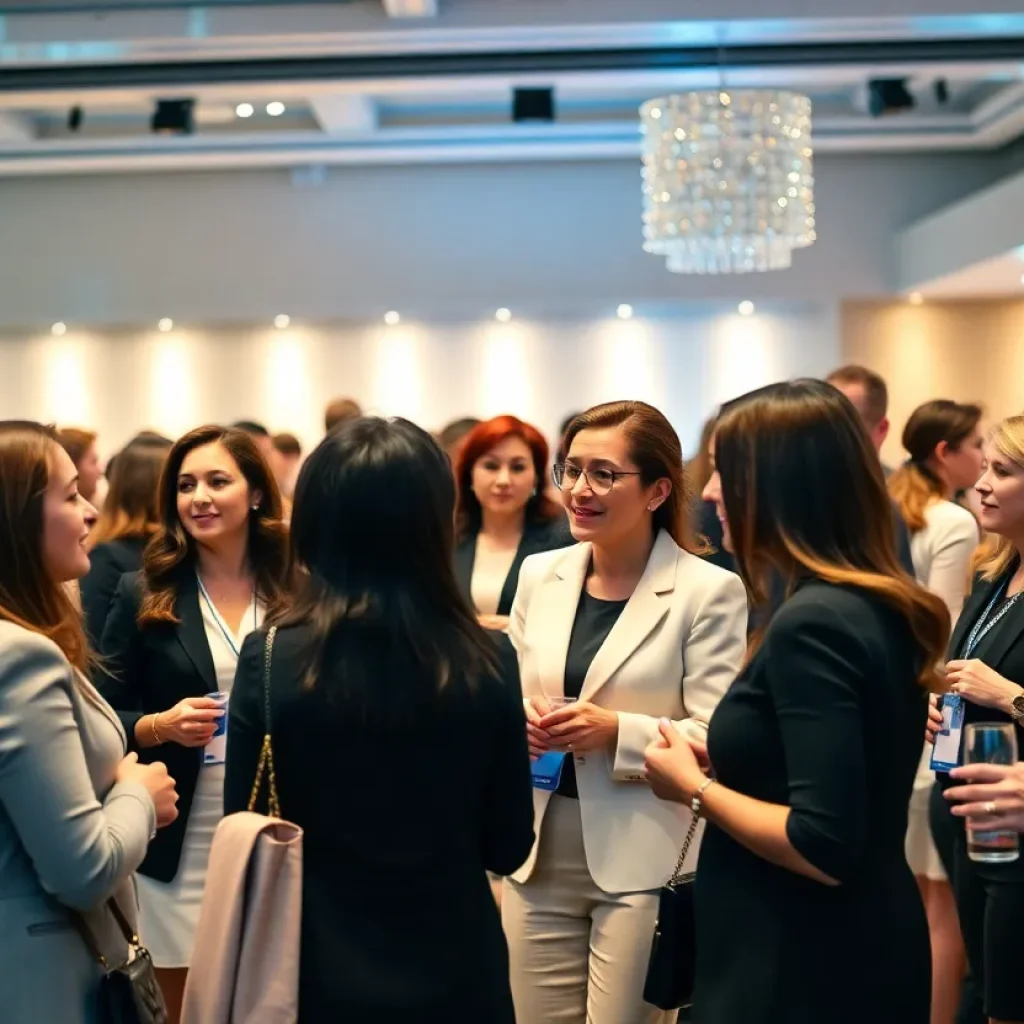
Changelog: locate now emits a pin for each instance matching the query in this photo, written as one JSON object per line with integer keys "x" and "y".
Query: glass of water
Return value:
{"x": 991, "y": 743}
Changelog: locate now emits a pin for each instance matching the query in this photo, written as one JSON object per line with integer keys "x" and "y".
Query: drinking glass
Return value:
{"x": 991, "y": 743}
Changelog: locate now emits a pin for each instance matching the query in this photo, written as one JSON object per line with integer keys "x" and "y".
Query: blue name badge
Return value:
{"x": 946, "y": 750}
{"x": 547, "y": 770}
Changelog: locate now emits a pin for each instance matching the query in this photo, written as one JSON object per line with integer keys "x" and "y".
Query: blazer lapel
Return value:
{"x": 191, "y": 632}
{"x": 554, "y": 608}
{"x": 1004, "y": 636}
{"x": 465, "y": 557}
{"x": 644, "y": 611}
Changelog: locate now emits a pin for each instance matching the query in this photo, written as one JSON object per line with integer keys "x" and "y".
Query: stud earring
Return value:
{"x": 255, "y": 508}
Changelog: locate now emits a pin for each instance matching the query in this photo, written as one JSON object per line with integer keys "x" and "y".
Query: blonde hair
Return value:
{"x": 997, "y": 553}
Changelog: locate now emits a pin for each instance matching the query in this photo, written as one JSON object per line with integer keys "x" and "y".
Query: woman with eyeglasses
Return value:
{"x": 630, "y": 626}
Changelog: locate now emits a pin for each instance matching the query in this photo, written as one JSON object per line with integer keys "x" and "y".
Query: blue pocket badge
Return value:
{"x": 946, "y": 750}
{"x": 547, "y": 771}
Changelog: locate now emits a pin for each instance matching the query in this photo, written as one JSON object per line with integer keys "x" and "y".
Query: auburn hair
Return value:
{"x": 76, "y": 442}
{"x": 29, "y": 597}
{"x": 916, "y": 485}
{"x": 998, "y": 553}
{"x": 172, "y": 549}
{"x": 131, "y": 507}
{"x": 478, "y": 442}
{"x": 804, "y": 493}
{"x": 655, "y": 450}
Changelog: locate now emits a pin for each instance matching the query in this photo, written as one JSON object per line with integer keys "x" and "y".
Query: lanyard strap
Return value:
{"x": 985, "y": 624}
{"x": 221, "y": 625}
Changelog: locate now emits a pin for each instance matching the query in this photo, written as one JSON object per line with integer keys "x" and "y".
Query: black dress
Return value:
{"x": 398, "y": 921}
{"x": 989, "y": 897}
{"x": 827, "y": 719}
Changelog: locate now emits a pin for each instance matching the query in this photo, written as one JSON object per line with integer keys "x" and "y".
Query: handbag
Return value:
{"x": 128, "y": 994}
{"x": 671, "y": 969}
{"x": 265, "y": 766}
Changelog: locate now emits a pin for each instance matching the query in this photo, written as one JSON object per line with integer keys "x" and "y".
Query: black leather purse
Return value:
{"x": 671, "y": 969}
{"x": 128, "y": 994}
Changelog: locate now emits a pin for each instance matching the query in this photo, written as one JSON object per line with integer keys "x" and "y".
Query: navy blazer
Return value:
{"x": 536, "y": 538}
{"x": 148, "y": 670}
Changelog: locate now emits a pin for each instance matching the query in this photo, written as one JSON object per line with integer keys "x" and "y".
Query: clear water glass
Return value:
{"x": 991, "y": 743}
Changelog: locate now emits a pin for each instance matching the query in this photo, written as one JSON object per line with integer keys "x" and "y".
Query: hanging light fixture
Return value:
{"x": 728, "y": 185}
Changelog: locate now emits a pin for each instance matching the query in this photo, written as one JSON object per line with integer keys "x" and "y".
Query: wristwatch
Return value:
{"x": 1017, "y": 708}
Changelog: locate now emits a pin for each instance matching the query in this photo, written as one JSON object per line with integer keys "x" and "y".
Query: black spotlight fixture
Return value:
{"x": 75, "y": 116}
{"x": 941, "y": 87}
{"x": 889, "y": 96}
{"x": 533, "y": 105}
{"x": 173, "y": 117}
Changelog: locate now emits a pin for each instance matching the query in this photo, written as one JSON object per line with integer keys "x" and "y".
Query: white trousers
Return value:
{"x": 577, "y": 954}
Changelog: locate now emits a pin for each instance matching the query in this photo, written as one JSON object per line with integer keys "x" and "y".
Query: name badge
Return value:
{"x": 946, "y": 750}
{"x": 547, "y": 771}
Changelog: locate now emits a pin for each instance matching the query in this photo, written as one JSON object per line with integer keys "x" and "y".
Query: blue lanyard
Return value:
{"x": 984, "y": 625}
{"x": 220, "y": 622}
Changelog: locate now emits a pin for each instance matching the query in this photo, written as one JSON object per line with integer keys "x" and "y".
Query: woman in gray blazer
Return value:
{"x": 76, "y": 815}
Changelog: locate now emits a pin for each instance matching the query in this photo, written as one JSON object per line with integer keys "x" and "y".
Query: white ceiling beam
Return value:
{"x": 15, "y": 128}
{"x": 411, "y": 8}
{"x": 344, "y": 113}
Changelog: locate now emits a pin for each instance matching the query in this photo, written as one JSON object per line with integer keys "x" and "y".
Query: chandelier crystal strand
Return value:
{"x": 728, "y": 183}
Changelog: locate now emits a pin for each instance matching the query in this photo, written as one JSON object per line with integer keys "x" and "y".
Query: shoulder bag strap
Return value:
{"x": 266, "y": 762}
{"x": 83, "y": 929}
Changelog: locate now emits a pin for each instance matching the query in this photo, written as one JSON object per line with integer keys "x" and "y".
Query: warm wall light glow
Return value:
{"x": 282, "y": 321}
{"x": 244, "y": 110}
{"x": 59, "y": 329}
{"x": 166, "y": 324}
{"x": 66, "y": 383}
{"x": 391, "y": 318}
{"x": 503, "y": 315}
{"x": 506, "y": 379}
{"x": 625, "y": 311}
{"x": 745, "y": 353}
{"x": 275, "y": 109}
{"x": 398, "y": 373}
{"x": 626, "y": 362}
{"x": 915, "y": 298}
{"x": 745, "y": 308}
{"x": 174, "y": 398}
{"x": 287, "y": 383}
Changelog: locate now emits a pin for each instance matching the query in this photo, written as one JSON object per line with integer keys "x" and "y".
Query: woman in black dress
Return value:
{"x": 399, "y": 743}
{"x": 806, "y": 909}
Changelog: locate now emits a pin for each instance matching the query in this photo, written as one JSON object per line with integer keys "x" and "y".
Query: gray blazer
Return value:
{"x": 69, "y": 837}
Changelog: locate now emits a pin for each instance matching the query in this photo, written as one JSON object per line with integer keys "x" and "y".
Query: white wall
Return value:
{"x": 435, "y": 242}
{"x": 431, "y": 373}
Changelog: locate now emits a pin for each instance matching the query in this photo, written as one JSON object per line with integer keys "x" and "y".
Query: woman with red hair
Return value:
{"x": 503, "y": 513}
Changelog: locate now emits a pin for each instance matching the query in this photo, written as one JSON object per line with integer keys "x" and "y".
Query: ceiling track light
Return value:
{"x": 889, "y": 96}
{"x": 173, "y": 117}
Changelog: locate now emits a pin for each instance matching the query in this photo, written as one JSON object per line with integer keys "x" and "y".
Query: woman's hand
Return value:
{"x": 499, "y": 623}
{"x": 933, "y": 726}
{"x": 580, "y": 727}
{"x": 993, "y": 797}
{"x": 160, "y": 785}
{"x": 979, "y": 684}
{"x": 671, "y": 765}
{"x": 191, "y": 722}
{"x": 536, "y": 738}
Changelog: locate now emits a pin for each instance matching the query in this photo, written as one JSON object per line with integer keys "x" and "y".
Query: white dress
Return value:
{"x": 942, "y": 558}
{"x": 169, "y": 911}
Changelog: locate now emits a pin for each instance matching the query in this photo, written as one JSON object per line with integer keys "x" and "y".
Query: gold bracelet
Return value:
{"x": 156, "y": 734}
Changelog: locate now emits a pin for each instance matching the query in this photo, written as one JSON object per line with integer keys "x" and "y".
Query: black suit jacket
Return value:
{"x": 146, "y": 671}
{"x": 536, "y": 538}
{"x": 401, "y": 820}
{"x": 108, "y": 562}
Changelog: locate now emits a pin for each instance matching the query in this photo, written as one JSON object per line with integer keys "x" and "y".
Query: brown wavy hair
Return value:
{"x": 655, "y": 450}
{"x": 997, "y": 553}
{"x": 915, "y": 485}
{"x": 28, "y": 596}
{"x": 172, "y": 549}
{"x": 477, "y": 443}
{"x": 131, "y": 507}
{"x": 804, "y": 493}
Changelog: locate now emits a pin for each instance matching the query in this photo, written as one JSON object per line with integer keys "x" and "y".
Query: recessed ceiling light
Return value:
{"x": 391, "y": 318}
{"x": 59, "y": 328}
{"x": 503, "y": 315}
{"x": 275, "y": 109}
{"x": 915, "y": 298}
{"x": 165, "y": 324}
{"x": 244, "y": 110}
{"x": 745, "y": 308}
{"x": 625, "y": 311}
{"x": 282, "y": 321}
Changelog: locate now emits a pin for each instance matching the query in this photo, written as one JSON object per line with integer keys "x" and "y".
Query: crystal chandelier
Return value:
{"x": 728, "y": 182}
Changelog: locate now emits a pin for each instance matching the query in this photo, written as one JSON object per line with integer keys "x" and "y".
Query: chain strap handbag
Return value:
{"x": 128, "y": 994}
{"x": 265, "y": 767}
{"x": 671, "y": 970}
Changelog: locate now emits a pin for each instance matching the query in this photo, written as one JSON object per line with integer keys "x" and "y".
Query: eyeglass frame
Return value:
{"x": 615, "y": 474}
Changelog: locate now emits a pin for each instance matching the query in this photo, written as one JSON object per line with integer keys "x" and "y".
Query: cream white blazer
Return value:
{"x": 674, "y": 651}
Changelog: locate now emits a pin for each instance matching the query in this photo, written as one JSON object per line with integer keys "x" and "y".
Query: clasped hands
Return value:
{"x": 575, "y": 728}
